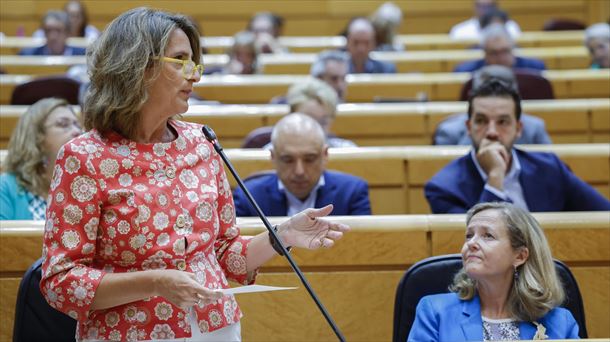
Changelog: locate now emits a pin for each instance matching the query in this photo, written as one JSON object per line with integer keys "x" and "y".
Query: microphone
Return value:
{"x": 274, "y": 238}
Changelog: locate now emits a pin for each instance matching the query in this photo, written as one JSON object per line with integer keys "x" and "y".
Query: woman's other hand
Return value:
{"x": 183, "y": 290}
{"x": 308, "y": 229}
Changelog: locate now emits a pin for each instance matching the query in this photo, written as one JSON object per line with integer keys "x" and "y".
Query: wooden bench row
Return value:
{"x": 308, "y": 18}
{"x": 357, "y": 279}
{"x": 366, "y": 87}
{"x": 414, "y": 42}
{"x": 383, "y": 124}
{"x": 397, "y": 175}
{"x": 555, "y": 58}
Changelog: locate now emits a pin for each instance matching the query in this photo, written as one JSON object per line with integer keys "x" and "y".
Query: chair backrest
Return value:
{"x": 532, "y": 86}
{"x": 563, "y": 25}
{"x": 434, "y": 275}
{"x": 258, "y": 138}
{"x": 54, "y": 86}
{"x": 35, "y": 319}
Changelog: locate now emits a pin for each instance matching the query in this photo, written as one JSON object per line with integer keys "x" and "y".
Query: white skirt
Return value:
{"x": 230, "y": 333}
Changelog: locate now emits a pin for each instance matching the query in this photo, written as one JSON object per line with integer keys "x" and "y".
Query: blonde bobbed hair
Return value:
{"x": 312, "y": 89}
{"x": 537, "y": 289}
{"x": 26, "y": 157}
{"x": 117, "y": 61}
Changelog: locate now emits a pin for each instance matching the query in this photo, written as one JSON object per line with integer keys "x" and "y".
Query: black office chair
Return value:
{"x": 35, "y": 319}
{"x": 434, "y": 275}
{"x": 52, "y": 86}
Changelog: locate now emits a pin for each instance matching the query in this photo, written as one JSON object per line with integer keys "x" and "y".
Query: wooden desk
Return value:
{"x": 383, "y": 124}
{"x": 356, "y": 280}
{"x": 367, "y": 87}
{"x": 411, "y": 42}
{"x": 396, "y": 175}
{"x": 302, "y": 18}
{"x": 555, "y": 58}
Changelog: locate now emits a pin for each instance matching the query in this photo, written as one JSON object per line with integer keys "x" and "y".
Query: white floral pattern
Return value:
{"x": 129, "y": 207}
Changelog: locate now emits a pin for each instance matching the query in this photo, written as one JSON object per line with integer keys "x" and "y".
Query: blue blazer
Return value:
{"x": 43, "y": 51}
{"x": 445, "y": 317}
{"x": 372, "y": 66}
{"x": 547, "y": 183}
{"x": 452, "y": 131}
{"x": 520, "y": 63}
{"x": 348, "y": 194}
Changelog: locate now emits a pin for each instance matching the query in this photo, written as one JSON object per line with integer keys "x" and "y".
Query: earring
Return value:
{"x": 516, "y": 274}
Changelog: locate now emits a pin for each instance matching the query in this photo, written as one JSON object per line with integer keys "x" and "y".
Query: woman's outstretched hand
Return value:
{"x": 308, "y": 229}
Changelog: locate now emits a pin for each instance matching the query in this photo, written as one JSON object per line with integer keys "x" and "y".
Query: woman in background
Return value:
{"x": 32, "y": 149}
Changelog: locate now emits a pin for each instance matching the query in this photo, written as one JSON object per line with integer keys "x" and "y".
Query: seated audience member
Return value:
{"x": 507, "y": 289}
{"x": 299, "y": 155}
{"x": 318, "y": 100}
{"x": 471, "y": 28}
{"x": 386, "y": 21}
{"x": 243, "y": 56}
{"x": 79, "y": 22}
{"x": 56, "y": 27}
{"x": 331, "y": 66}
{"x": 494, "y": 170}
{"x": 360, "y": 42}
{"x": 597, "y": 40}
{"x": 267, "y": 28}
{"x": 498, "y": 47}
{"x": 29, "y": 164}
{"x": 452, "y": 130}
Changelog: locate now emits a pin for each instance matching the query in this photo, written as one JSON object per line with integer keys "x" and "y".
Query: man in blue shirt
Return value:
{"x": 498, "y": 47}
{"x": 299, "y": 156}
{"x": 56, "y": 27}
{"x": 360, "y": 42}
{"x": 495, "y": 171}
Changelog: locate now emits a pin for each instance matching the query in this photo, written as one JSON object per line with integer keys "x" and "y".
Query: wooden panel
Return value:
{"x": 361, "y": 303}
{"x": 8, "y": 296}
{"x": 386, "y": 124}
{"x": 18, "y": 257}
{"x": 601, "y": 120}
{"x": 312, "y": 17}
{"x": 363, "y": 88}
{"x": 387, "y": 201}
{"x": 364, "y": 268}
{"x": 216, "y": 42}
{"x": 569, "y": 240}
{"x": 594, "y": 284}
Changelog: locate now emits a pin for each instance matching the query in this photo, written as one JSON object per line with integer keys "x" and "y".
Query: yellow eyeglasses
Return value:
{"x": 188, "y": 66}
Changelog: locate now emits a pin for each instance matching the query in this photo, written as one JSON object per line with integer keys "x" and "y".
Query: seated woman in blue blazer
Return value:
{"x": 507, "y": 289}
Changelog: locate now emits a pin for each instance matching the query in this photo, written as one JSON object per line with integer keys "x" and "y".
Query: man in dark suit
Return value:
{"x": 56, "y": 26}
{"x": 299, "y": 155}
{"x": 498, "y": 47}
{"x": 360, "y": 42}
{"x": 496, "y": 171}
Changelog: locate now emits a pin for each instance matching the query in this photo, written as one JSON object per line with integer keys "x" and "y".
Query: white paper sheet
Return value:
{"x": 254, "y": 288}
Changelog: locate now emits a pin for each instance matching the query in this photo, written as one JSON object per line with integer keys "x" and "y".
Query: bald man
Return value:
{"x": 300, "y": 180}
{"x": 360, "y": 42}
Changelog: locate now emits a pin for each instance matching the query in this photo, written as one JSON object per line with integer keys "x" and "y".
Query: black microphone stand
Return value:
{"x": 211, "y": 137}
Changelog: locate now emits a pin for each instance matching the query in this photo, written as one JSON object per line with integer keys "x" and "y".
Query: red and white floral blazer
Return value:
{"x": 119, "y": 206}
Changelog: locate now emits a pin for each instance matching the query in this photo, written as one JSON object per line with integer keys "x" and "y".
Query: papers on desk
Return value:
{"x": 253, "y": 288}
